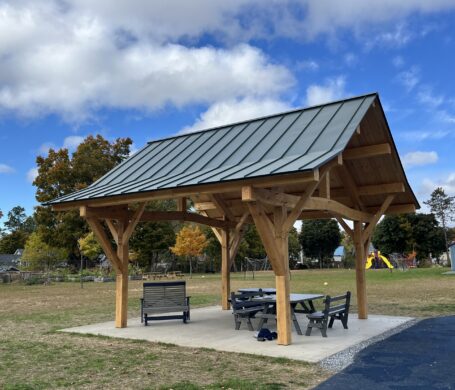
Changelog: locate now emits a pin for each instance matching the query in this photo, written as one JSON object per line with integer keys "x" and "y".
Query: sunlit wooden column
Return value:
{"x": 121, "y": 299}
{"x": 225, "y": 270}
{"x": 360, "y": 271}
{"x": 282, "y": 282}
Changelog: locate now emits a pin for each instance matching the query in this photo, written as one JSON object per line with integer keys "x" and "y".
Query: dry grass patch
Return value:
{"x": 34, "y": 356}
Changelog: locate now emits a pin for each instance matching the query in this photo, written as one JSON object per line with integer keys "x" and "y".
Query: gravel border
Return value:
{"x": 341, "y": 360}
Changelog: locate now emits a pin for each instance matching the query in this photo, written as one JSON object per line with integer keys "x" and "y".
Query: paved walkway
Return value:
{"x": 420, "y": 357}
{"x": 211, "y": 327}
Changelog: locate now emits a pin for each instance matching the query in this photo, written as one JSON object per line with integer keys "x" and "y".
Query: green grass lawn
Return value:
{"x": 34, "y": 356}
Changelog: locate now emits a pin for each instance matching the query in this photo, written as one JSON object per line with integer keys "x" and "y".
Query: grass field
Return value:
{"x": 34, "y": 356}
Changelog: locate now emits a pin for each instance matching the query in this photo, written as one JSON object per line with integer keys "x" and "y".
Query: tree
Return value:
{"x": 319, "y": 238}
{"x": 41, "y": 256}
{"x": 89, "y": 246}
{"x": 19, "y": 226}
{"x": 60, "y": 174}
{"x": 294, "y": 247}
{"x": 150, "y": 238}
{"x": 190, "y": 241}
{"x": 443, "y": 208}
{"x": 406, "y": 233}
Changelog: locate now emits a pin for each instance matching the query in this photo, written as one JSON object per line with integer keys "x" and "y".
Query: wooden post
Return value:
{"x": 121, "y": 297}
{"x": 360, "y": 271}
{"x": 282, "y": 282}
{"x": 225, "y": 270}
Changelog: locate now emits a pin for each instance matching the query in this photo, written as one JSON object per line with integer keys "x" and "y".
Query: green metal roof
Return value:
{"x": 294, "y": 141}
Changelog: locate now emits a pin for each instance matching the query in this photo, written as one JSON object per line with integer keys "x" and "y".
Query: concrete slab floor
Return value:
{"x": 211, "y": 327}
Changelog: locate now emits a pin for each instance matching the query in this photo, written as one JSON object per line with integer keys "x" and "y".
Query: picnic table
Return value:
{"x": 265, "y": 291}
{"x": 300, "y": 303}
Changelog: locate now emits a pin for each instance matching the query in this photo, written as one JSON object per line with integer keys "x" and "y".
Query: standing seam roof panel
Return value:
{"x": 290, "y": 142}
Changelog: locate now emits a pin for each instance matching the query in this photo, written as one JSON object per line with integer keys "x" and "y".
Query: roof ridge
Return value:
{"x": 231, "y": 125}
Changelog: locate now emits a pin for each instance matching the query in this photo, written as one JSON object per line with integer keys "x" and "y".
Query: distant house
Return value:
{"x": 10, "y": 262}
{"x": 338, "y": 254}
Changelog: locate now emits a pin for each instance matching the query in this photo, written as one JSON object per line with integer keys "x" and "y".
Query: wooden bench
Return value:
{"x": 165, "y": 297}
{"x": 337, "y": 311}
{"x": 244, "y": 309}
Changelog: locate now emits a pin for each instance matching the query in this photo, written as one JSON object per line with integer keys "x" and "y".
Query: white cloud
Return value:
{"x": 425, "y": 135}
{"x": 231, "y": 111}
{"x": 32, "y": 174}
{"x": 6, "y": 169}
{"x": 427, "y": 97}
{"x": 86, "y": 58}
{"x": 93, "y": 54}
{"x": 419, "y": 158}
{"x": 333, "y": 89}
{"x": 409, "y": 78}
{"x": 44, "y": 148}
{"x": 72, "y": 142}
{"x": 309, "y": 65}
{"x": 447, "y": 183}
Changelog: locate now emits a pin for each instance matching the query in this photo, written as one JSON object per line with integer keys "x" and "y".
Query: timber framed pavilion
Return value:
{"x": 336, "y": 160}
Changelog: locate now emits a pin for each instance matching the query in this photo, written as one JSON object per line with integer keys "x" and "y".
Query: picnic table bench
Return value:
{"x": 339, "y": 311}
{"x": 244, "y": 308}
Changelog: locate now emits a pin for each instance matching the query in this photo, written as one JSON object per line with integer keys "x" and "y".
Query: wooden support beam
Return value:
{"x": 377, "y": 189}
{"x": 117, "y": 212}
{"x": 299, "y": 206}
{"x": 345, "y": 226}
{"x": 266, "y": 231}
{"x": 215, "y": 188}
{"x": 367, "y": 151}
{"x": 316, "y": 203}
{"x": 374, "y": 220}
{"x": 105, "y": 243}
{"x": 221, "y": 206}
{"x": 225, "y": 270}
{"x": 360, "y": 271}
{"x": 282, "y": 282}
{"x": 351, "y": 187}
{"x": 324, "y": 186}
{"x": 133, "y": 223}
{"x": 184, "y": 216}
{"x": 181, "y": 204}
{"x": 113, "y": 229}
{"x": 396, "y": 209}
{"x": 121, "y": 296}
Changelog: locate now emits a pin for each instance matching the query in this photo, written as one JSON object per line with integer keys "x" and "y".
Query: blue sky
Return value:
{"x": 147, "y": 70}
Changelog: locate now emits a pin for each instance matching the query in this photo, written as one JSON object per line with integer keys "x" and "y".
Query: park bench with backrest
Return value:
{"x": 244, "y": 308}
{"x": 165, "y": 297}
{"x": 336, "y": 308}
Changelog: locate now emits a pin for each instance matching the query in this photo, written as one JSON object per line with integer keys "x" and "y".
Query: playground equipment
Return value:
{"x": 403, "y": 261}
{"x": 374, "y": 259}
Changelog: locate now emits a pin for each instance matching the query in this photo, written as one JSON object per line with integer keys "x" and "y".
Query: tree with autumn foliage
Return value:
{"x": 60, "y": 173}
{"x": 190, "y": 242}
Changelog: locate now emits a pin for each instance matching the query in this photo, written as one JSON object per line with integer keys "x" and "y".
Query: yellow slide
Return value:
{"x": 371, "y": 258}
